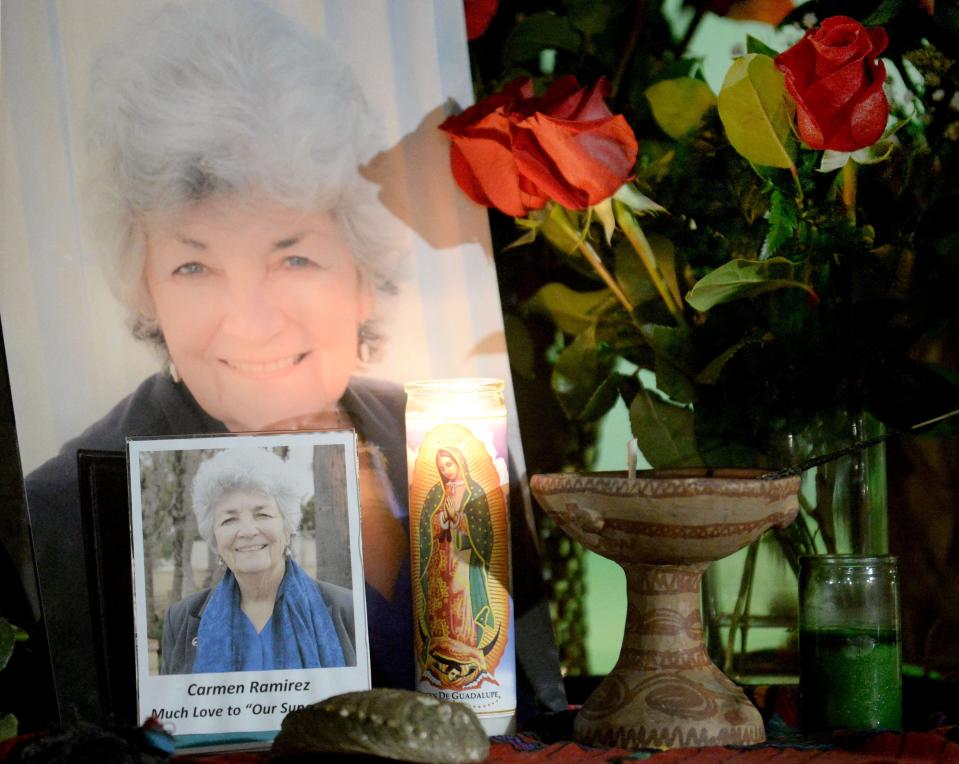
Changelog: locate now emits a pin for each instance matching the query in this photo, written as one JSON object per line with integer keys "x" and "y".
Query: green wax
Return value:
{"x": 850, "y": 679}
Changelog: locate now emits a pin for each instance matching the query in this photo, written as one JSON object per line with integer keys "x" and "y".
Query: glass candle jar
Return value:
{"x": 850, "y": 655}
{"x": 459, "y": 543}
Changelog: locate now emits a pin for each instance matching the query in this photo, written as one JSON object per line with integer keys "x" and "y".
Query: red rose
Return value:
{"x": 836, "y": 80}
{"x": 479, "y": 14}
{"x": 573, "y": 148}
{"x": 482, "y": 152}
{"x": 516, "y": 152}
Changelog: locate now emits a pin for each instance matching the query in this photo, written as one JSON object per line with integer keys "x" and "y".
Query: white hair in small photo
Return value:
{"x": 249, "y": 469}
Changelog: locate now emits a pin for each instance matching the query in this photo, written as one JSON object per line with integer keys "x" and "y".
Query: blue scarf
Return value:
{"x": 300, "y": 633}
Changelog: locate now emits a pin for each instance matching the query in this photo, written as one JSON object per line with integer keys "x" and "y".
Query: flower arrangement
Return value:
{"x": 758, "y": 271}
{"x": 771, "y": 253}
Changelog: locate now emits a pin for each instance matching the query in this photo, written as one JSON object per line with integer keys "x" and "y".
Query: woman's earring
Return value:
{"x": 365, "y": 337}
{"x": 174, "y": 374}
{"x": 219, "y": 562}
{"x": 288, "y": 551}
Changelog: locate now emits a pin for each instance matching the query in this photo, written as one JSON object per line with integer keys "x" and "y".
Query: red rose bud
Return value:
{"x": 479, "y": 14}
{"x": 515, "y": 152}
{"x": 834, "y": 76}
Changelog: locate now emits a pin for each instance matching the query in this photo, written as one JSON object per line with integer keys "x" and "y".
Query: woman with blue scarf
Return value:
{"x": 266, "y": 612}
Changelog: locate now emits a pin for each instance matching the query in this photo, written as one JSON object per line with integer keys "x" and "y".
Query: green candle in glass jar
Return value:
{"x": 850, "y": 660}
{"x": 851, "y": 679}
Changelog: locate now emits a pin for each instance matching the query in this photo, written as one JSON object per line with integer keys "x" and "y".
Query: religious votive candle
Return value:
{"x": 459, "y": 542}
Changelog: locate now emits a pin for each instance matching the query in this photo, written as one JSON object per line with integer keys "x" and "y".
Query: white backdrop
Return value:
{"x": 70, "y": 355}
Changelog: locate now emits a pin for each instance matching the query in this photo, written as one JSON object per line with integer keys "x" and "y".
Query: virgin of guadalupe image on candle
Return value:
{"x": 460, "y": 591}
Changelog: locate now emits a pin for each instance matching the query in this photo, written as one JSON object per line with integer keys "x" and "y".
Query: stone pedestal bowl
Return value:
{"x": 665, "y": 527}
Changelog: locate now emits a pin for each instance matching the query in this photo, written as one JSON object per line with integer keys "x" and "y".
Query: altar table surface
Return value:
{"x": 932, "y": 718}
{"x": 937, "y": 746}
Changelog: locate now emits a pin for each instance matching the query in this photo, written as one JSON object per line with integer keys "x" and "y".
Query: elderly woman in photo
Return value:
{"x": 251, "y": 253}
{"x": 266, "y": 612}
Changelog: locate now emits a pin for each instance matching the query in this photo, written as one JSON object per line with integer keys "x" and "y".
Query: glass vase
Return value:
{"x": 750, "y": 600}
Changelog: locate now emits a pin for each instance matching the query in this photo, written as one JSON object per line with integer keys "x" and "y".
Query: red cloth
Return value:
{"x": 918, "y": 747}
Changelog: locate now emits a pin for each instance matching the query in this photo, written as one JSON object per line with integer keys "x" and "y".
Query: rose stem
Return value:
{"x": 593, "y": 259}
{"x": 636, "y": 27}
{"x": 634, "y": 233}
{"x": 849, "y": 189}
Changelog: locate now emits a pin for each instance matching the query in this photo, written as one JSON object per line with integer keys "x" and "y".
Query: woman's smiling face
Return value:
{"x": 259, "y": 306}
{"x": 249, "y": 532}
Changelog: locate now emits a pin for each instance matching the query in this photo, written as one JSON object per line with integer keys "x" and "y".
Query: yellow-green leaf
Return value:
{"x": 559, "y": 229}
{"x": 756, "y": 111}
{"x": 679, "y": 105}
{"x": 744, "y": 278}
{"x": 571, "y": 311}
{"x": 8, "y": 726}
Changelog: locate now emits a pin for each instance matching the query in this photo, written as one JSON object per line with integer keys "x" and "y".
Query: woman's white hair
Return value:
{"x": 246, "y": 469}
{"x": 209, "y": 99}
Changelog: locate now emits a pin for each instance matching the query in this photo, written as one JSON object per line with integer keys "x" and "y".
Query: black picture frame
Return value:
{"x": 106, "y": 544}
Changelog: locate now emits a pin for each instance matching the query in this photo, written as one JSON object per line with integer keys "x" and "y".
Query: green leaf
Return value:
{"x": 755, "y": 45}
{"x": 679, "y": 105}
{"x": 632, "y": 275}
{"x": 673, "y": 381}
{"x": 887, "y": 11}
{"x": 710, "y": 374}
{"x": 7, "y": 639}
{"x": 756, "y": 111}
{"x": 8, "y": 726}
{"x": 573, "y": 312}
{"x": 578, "y": 373}
{"x": 665, "y": 432}
{"x": 537, "y": 32}
{"x": 670, "y": 341}
{"x": 783, "y": 222}
{"x": 744, "y": 278}
{"x": 603, "y": 399}
{"x": 588, "y": 16}
{"x": 674, "y": 353}
{"x": 522, "y": 352}
{"x": 665, "y": 254}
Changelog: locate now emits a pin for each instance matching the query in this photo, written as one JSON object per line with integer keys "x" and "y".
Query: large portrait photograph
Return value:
{"x": 247, "y": 578}
{"x": 232, "y": 217}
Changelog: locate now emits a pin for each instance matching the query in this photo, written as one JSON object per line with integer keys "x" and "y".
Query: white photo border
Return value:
{"x": 231, "y": 710}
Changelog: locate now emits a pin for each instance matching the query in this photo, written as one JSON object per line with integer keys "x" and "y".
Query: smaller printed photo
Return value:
{"x": 248, "y": 580}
